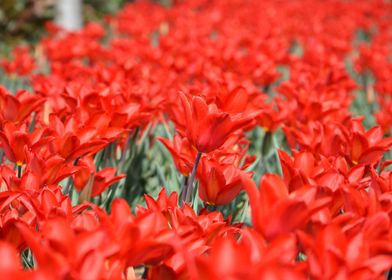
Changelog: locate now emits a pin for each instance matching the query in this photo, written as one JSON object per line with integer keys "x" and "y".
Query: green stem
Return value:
{"x": 19, "y": 167}
{"x": 189, "y": 187}
{"x": 183, "y": 190}
{"x": 67, "y": 187}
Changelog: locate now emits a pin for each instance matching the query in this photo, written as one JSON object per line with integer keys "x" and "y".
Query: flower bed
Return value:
{"x": 212, "y": 139}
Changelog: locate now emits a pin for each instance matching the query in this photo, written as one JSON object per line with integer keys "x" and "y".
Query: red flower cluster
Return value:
{"x": 222, "y": 79}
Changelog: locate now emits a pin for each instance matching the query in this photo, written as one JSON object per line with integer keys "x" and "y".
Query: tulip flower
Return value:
{"x": 96, "y": 181}
{"x": 72, "y": 142}
{"x": 18, "y": 108}
{"x": 182, "y": 153}
{"x": 15, "y": 140}
{"x": 250, "y": 258}
{"x": 219, "y": 184}
{"x": 22, "y": 63}
{"x": 275, "y": 212}
{"x": 208, "y": 128}
{"x": 10, "y": 266}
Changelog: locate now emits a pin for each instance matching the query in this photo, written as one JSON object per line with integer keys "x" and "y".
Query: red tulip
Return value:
{"x": 101, "y": 180}
{"x": 182, "y": 152}
{"x": 71, "y": 141}
{"x": 219, "y": 184}
{"x": 15, "y": 140}
{"x": 207, "y": 127}
{"x": 275, "y": 212}
{"x": 10, "y": 265}
{"x": 18, "y": 108}
{"x": 251, "y": 257}
{"x": 21, "y": 64}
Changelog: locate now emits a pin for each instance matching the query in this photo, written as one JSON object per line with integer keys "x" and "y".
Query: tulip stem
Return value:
{"x": 183, "y": 190}
{"x": 210, "y": 207}
{"x": 19, "y": 167}
{"x": 189, "y": 187}
{"x": 68, "y": 185}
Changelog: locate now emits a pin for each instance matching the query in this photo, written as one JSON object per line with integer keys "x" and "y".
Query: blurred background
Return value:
{"x": 23, "y": 20}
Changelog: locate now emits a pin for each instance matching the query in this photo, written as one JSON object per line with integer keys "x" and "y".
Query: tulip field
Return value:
{"x": 208, "y": 139}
